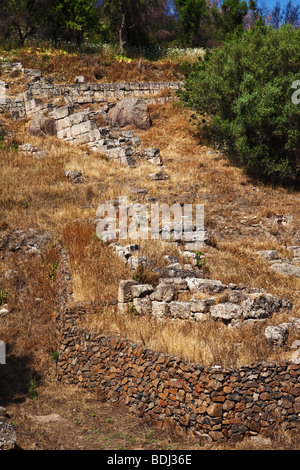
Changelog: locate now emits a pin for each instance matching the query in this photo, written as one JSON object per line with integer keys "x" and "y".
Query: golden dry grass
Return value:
{"x": 99, "y": 67}
{"x": 35, "y": 193}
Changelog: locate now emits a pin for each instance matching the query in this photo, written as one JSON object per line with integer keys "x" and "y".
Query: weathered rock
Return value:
{"x": 179, "y": 283}
{"x": 30, "y": 240}
{"x": 205, "y": 285}
{"x": 153, "y": 156}
{"x": 74, "y": 176}
{"x": 269, "y": 254}
{"x": 8, "y": 436}
{"x": 142, "y": 306}
{"x": 125, "y": 292}
{"x": 79, "y": 79}
{"x": 260, "y": 306}
{"x": 32, "y": 150}
{"x": 141, "y": 290}
{"x": 201, "y": 305}
{"x": 158, "y": 176}
{"x": 277, "y": 335}
{"x": 164, "y": 292}
{"x": 42, "y": 126}
{"x": 287, "y": 269}
{"x": 226, "y": 312}
{"x": 131, "y": 111}
{"x": 160, "y": 309}
{"x": 180, "y": 309}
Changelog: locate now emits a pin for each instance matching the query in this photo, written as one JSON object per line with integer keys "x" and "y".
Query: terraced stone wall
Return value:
{"x": 217, "y": 404}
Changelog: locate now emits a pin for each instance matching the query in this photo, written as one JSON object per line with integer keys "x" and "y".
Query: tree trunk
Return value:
{"x": 121, "y": 34}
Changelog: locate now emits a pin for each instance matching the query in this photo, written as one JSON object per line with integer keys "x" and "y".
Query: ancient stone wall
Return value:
{"x": 217, "y": 404}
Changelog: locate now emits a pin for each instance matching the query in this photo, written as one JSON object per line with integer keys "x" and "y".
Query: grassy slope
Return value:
{"x": 35, "y": 193}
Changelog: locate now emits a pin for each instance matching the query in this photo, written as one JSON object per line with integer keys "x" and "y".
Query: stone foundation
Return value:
{"x": 214, "y": 403}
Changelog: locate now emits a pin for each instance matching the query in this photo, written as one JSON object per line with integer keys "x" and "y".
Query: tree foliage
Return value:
{"x": 244, "y": 90}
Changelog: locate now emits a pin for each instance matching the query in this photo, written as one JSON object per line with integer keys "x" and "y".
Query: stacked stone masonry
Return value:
{"x": 213, "y": 403}
{"x": 239, "y": 305}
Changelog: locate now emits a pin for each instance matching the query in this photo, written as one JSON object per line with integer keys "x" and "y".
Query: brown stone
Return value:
{"x": 215, "y": 410}
{"x": 228, "y": 405}
{"x": 266, "y": 396}
{"x": 216, "y": 435}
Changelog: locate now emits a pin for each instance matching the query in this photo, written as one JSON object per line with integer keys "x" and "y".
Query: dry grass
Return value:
{"x": 35, "y": 193}
{"x": 98, "y": 67}
{"x": 207, "y": 343}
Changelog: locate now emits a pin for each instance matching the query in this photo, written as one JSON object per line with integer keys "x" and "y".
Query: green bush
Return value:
{"x": 243, "y": 93}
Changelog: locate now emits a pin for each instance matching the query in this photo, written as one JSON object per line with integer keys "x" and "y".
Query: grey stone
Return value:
{"x": 158, "y": 176}
{"x": 287, "y": 269}
{"x": 160, "y": 309}
{"x": 225, "y": 312}
{"x": 8, "y": 437}
{"x": 205, "y": 285}
{"x": 277, "y": 335}
{"x": 131, "y": 111}
{"x": 74, "y": 176}
{"x": 42, "y": 126}
{"x": 269, "y": 254}
{"x": 142, "y": 306}
{"x": 180, "y": 309}
{"x": 164, "y": 292}
{"x": 125, "y": 291}
{"x": 260, "y": 306}
{"x": 79, "y": 79}
{"x": 179, "y": 283}
{"x": 201, "y": 305}
{"x": 141, "y": 290}
{"x": 30, "y": 240}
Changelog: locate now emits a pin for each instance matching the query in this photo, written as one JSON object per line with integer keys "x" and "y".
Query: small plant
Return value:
{"x": 110, "y": 420}
{"x": 32, "y": 391}
{"x": 53, "y": 269}
{"x": 132, "y": 310}
{"x": 55, "y": 356}
{"x": 3, "y": 296}
{"x": 139, "y": 274}
{"x": 201, "y": 261}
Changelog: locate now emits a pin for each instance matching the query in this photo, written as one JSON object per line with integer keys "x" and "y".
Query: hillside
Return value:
{"x": 251, "y": 228}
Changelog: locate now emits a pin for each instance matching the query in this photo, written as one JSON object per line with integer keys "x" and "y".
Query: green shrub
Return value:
{"x": 243, "y": 93}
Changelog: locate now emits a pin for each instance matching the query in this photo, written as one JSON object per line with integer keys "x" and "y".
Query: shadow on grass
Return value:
{"x": 18, "y": 379}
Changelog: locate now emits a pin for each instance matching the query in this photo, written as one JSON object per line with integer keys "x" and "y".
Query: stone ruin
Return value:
{"x": 61, "y": 111}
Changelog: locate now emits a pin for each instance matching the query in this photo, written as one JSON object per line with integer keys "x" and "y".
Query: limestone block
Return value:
{"x": 160, "y": 309}
{"x": 60, "y": 113}
{"x": 226, "y": 312}
{"x": 141, "y": 290}
{"x": 81, "y": 128}
{"x": 180, "y": 309}
{"x": 204, "y": 285}
{"x": 164, "y": 292}
{"x": 142, "y": 306}
{"x": 125, "y": 292}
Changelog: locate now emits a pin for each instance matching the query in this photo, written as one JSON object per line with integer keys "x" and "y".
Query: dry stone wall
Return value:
{"x": 214, "y": 403}
{"x": 239, "y": 305}
{"x": 61, "y": 110}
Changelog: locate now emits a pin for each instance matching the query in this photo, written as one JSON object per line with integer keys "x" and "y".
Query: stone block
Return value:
{"x": 125, "y": 291}
{"x": 160, "y": 309}
{"x": 141, "y": 290}
{"x": 205, "y": 285}
{"x": 60, "y": 113}
{"x": 226, "y": 312}
{"x": 81, "y": 128}
{"x": 142, "y": 306}
{"x": 164, "y": 292}
{"x": 180, "y": 309}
